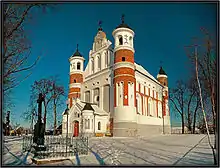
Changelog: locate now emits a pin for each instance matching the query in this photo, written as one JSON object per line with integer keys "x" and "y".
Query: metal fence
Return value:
{"x": 57, "y": 146}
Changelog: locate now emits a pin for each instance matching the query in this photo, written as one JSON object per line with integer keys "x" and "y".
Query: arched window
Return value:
{"x": 92, "y": 64}
{"x": 87, "y": 123}
{"x": 120, "y": 40}
{"x": 74, "y": 66}
{"x": 99, "y": 62}
{"x": 106, "y": 59}
{"x": 78, "y": 65}
{"x": 130, "y": 40}
{"x": 149, "y": 107}
{"x": 139, "y": 104}
{"x": 123, "y": 58}
{"x": 97, "y": 100}
{"x": 99, "y": 125}
{"x": 74, "y": 81}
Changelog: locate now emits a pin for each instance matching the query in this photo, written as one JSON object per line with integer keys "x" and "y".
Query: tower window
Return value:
{"x": 74, "y": 81}
{"x": 120, "y": 40}
{"x": 164, "y": 83}
{"x": 123, "y": 58}
{"x": 99, "y": 125}
{"x": 78, "y": 66}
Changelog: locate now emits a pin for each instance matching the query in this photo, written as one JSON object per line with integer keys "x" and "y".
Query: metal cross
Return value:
{"x": 122, "y": 18}
{"x": 77, "y": 46}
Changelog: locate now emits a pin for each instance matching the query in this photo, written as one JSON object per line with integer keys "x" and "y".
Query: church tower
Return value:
{"x": 162, "y": 78}
{"x": 124, "y": 118}
{"x": 76, "y": 76}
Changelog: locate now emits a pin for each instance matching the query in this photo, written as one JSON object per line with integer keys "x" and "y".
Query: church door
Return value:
{"x": 76, "y": 129}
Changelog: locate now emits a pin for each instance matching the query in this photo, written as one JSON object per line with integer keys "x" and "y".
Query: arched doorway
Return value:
{"x": 76, "y": 128}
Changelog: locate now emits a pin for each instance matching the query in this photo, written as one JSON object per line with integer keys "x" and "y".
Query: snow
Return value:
{"x": 186, "y": 150}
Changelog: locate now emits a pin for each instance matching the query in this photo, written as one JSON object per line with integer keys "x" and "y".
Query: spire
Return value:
{"x": 100, "y": 25}
{"x": 123, "y": 24}
{"x": 77, "y": 53}
{"x": 162, "y": 72}
{"x": 77, "y": 47}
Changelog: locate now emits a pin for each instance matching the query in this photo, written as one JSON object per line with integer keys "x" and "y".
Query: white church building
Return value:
{"x": 113, "y": 95}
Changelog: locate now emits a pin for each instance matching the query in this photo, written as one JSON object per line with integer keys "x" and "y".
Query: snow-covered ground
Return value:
{"x": 173, "y": 150}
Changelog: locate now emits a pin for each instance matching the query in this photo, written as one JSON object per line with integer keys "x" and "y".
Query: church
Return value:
{"x": 113, "y": 95}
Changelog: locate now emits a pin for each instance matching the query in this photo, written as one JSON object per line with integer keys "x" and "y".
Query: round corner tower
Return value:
{"x": 162, "y": 78}
{"x": 124, "y": 118}
{"x": 76, "y": 76}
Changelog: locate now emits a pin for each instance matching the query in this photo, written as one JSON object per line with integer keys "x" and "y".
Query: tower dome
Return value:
{"x": 162, "y": 77}
{"x": 123, "y": 24}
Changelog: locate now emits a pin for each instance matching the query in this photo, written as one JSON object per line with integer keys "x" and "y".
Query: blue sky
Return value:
{"x": 161, "y": 32}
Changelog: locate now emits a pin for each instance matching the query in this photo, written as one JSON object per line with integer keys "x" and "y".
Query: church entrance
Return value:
{"x": 76, "y": 128}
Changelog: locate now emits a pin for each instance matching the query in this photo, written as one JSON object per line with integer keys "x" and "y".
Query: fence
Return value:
{"x": 57, "y": 146}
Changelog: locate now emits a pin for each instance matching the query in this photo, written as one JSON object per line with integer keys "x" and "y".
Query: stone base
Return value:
{"x": 134, "y": 129}
{"x": 145, "y": 130}
{"x": 167, "y": 129}
{"x": 45, "y": 161}
{"x": 125, "y": 129}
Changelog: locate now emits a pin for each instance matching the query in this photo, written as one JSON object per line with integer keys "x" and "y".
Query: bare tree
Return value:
{"x": 52, "y": 91}
{"x": 177, "y": 97}
{"x": 16, "y": 45}
{"x": 206, "y": 60}
{"x": 58, "y": 93}
{"x": 203, "y": 111}
{"x": 44, "y": 86}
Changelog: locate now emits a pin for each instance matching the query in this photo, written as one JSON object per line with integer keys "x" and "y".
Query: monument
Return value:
{"x": 39, "y": 127}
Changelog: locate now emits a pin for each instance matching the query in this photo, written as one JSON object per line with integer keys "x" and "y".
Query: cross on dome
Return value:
{"x": 100, "y": 25}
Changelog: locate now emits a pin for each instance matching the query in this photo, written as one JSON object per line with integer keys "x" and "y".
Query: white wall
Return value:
{"x": 149, "y": 120}
{"x": 104, "y": 121}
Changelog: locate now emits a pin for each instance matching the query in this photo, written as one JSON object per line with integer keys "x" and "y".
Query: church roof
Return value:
{"x": 77, "y": 53}
{"x": 162, "y": 72}
{"x": 87, "y": 107}
{"x": 123, "y": 25}
{"x": 144, "y": 71}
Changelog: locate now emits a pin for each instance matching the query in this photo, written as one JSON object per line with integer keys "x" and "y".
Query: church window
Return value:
{"x": 92, "y": 64}
{"x": 78, "y": 65}
{"x": 99, "y": 62}
{"x": 164, "y": 84}
{"x": 123, "y": 58}
{"x": 97, "y": 98}
{"x": 130, "y": 40}
{"x": 120, "y": 40}
{"x": 74, "y": 81}
{"x": 149, "y": 107}
{"x": 99, "y": 125}
{"x": 106, "y": 59}
{"x": 87, "y": 123}
{"x": 137, "y": 106}
{"x": 78, "y": 114}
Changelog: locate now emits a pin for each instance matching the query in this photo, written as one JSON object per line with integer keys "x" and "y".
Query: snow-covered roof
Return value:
{"x": 144, "y": 71}
{"x": 79, "y": 105}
